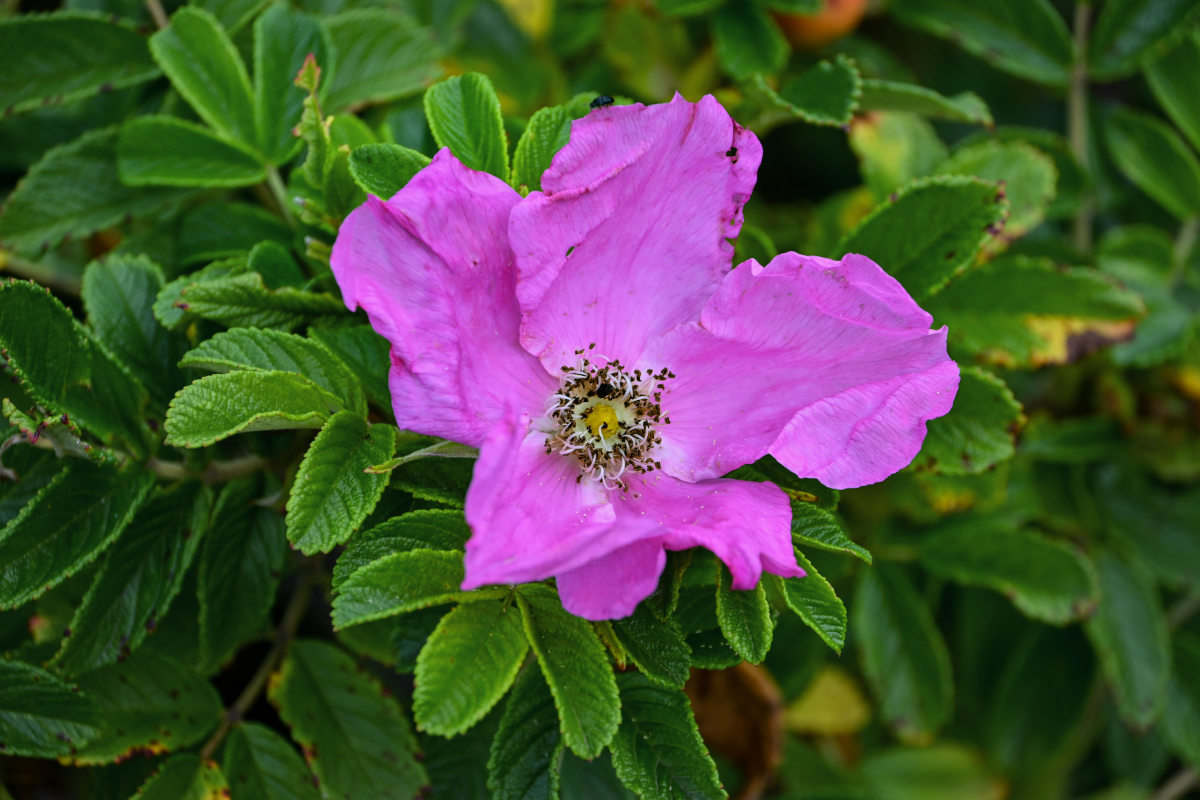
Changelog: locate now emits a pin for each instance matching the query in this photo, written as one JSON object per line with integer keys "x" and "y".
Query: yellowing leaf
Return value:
{"x": 531, "y": 16}
{"x": 832, "y": 705}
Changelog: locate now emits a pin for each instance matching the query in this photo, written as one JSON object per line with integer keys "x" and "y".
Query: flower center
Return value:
{"x": 604, "y": 417}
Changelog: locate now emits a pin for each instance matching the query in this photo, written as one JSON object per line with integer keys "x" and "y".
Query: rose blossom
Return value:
{"x": 591, "y": 340}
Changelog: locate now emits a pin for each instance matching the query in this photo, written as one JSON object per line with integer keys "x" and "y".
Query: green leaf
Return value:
{"x": 118, "y": 294}
{"x": 170, "y": 309}
{"x": 239, "y": 569}
{"x": 64, "y": 528}
{"x": 978, "y": 432}
{"x": 66, "y": 57}
{"x": 658, "y": 752}
{"x": 402, "y": 582}
{"x": 1028, "y": 177}
{"x": 245, "y": 301}
{"x": 365, "y": 352}
{"x": 1028, "y": 39}
{"x": 464, "y": 115}
{"x": 218, "y": 406}
{"x": 47, "y": 205}
{"x": 185, "y": 777}
{"x": 40, "y": 715}
{"x": 232, "y": 14}
{"x": 262, "y": 765}
{"x": 1175, "y": 80}
{"x": 379, "y": 55}
{"x": 359, "y": 742}
{"x": 1045, "y": 579}
{"x": 283, "y": 38}
{"x": 818, "y": 527}
{"x": 1181, "y": 717}
{"x": 745, "y": 618}
{"x": 893, "y": 148}
{"x": 525, "y": 752}
{"x": 198, "y": 56}
{"x": 930, "y": 231}
{"x": 1154, "y": 157}
{"x": 545, "y": 134}
{"x": 903, "y": 655}
{"x": 658, "y": 648}
{"x": 825, "y": 94}
{"x": 424, "y": 529}
{"x": 140, "y": 577}
{"x": 165, "y": 151}
{"x": 940, "y": 772}
{"x": 136, "y": 697}
{"x": 576, "y": 669}
{"x": 384, "y": 169}
{"x": 333, "y": 493}
{"x": 1129, "y": 632}
{"x": 1157, "y": 524}
{"x": 813, "y": 599}
{"x": 880, "y": 95}
{"x": 218, "y": 230}
{"x": 747, "y": 40}
{"x": 467, "y": 665}
{"x": 1129, "y": 32}
{"x": 1020, "y": 311}
{"x": 442, "y": 480}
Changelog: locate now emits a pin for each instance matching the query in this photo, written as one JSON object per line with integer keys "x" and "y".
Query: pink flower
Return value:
{"x": 592, "y": 342}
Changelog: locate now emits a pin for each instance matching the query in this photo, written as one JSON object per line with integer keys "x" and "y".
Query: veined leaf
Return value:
{"x": 814, "y": 601}
{"x": 658, "y": 648}
{"x": 261, "y": 765}
{"x": 978, "y": 432}
{"x": 813, "y": 526}
{"x": 824, "y": 94}
{"x": 879, "y": 95}
{"x": 1181, "y": 717}
{"x": 1027, "y": 174}
{"x": 464, "y": 115}
{"x": 424, "y": 529}
{"x": 283, "y": 37}
{"x": 747, "y": 40}
{"x": 360, "y": 743}
{"x": 1127, "y": 33}
{"x": 245, "y": 300}
{"x": 40, "y": 715}
{"x": 185, "y": 777}
{"x": 545, "y": 134}
{"x": 165, "y": 151}
{"x": 379, "y": 54}
{"x": 576, "y": 669}
{"x": 1152, "y": 155}
{"x": 525, "y": 751}
{"x": 745, "y": 618}
{"x": 467, "y": 665}
{"x": 232, "y": 14}
{"x": 365, "y": 352}
{"x": 1175, "y": 81}
{"x": 384, "y": 169}
{"x": 402, "y": 582}
{"x": 893, "y": 149}
{"x": 218, "y": 230}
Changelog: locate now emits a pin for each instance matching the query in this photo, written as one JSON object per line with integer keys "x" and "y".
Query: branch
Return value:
{"x": 1077, "y": 121}
{"x": 1179, "y": 783}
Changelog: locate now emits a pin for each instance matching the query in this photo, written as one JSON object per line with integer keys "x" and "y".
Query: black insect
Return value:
{"x": 604, "y": 391}
{"x": 601, "y": 101}
{"x": 731, "y": 152}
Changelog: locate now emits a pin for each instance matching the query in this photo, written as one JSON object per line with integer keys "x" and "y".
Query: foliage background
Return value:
{"x": 1021, "y": 601}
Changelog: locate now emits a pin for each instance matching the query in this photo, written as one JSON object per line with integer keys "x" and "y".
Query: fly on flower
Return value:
{"x": 592, "y": 341}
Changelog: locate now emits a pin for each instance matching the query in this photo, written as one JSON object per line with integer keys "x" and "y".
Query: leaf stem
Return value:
{"x": 1077, "y": 122}
{"x": 292, "y": 617}
{"x": 156, "y": 11}
{"x": 1185, "y": 240}
{"x": 58, "y": 280}
{"x": 215, "y": 472}
{"x": 1183, "y": 610}
{"x": 279, "y": 192}
{"x": 1179, "y": 783}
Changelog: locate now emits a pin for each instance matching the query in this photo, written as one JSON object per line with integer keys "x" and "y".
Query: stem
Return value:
{"x": 1183, "y": 610}
{"x": 283, "y": 637}
{"x": 1179, "y": 783}
{"x": 156, "y": 11}
{"x": 56, "y": 279}
{"x": 279, "y": 191}
{"x": 1185, "y": 240}
{"x": 215, "y": 472}
{"x": 1077, "y": 122}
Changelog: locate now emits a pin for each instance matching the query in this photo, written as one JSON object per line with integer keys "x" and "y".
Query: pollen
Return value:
{"x": 601, "y": 419}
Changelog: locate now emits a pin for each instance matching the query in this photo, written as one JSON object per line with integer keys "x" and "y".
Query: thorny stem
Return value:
{"x": 283, "y": 638}
{"x": 156, "y": 11}
{"x": 279, "y": 192}
{"x": 1179, "y": 783}
{"x": 1077, "y": 121}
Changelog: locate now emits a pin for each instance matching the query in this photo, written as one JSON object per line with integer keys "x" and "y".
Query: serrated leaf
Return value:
{"x": 903, "y": 655}
{"x": 379, "y": 55}
{"x": 232, "y": 14}
{"x": 979, "y": 431}
{"x": 576, "y": 668}
{"x": 745, "y": 618}
{"x": 402, "y": 582}
{"x": 824, "y": 94}
{"x": 359, "y": 742}
{"x": 1154, "y": 157}
{"x": 1156, "y": 523}
{"x": 747, "y": 40}
{"x": 523, "y": 764}
{"x": 139, "y": 579}
{"x": 464, "y": 115}
{"x": 261, "y": 765}
{"x": 442, "y": 480}
{"x": 64, "y": 528}
{"x": 467, "y": 665}
{"x": 218, "y": 406}
{"x": 259, "y": 350}
{"x": 424, "y": 529}
{"x": 813, "y": 599}
{"x": 1181, "y": 717}
{"x": 930, "y": 231}
{"x": 239, "y": 570}
{"x": 1045, "y": 579}
{"x": 40, "y": 715}
{"x": 219, "y": 230}
{"x": 881, "y": 95}
{"x": 245, "y": 301}
{"x": 1027, "y": 174}
{"x": 658, "y": 648}
{"x": 47, "y": 204}
{"x": 1129, "y": 32}
{"x": 198, "y": 56}
{"x": 365, "y": 352}
{"x": 1028, "y": 39}
{"x": 545, "y": 134}
{"x": 1175, "y": 80}
{"x": 893, "y": 148}
{"x": 333, "y": 493}
{"x": 1020, "y": 311}
{"x": 283, "y": 37}
{"x": 66, "y": 57}
{"x": 1129, "y": 632}
{"x": 384, "y": 169}
{"x": 658, "y": 752}
{"x": 170, "y": 309}
{"x": 158, "y": 150}
{"x": 147, "y": 703}
{"x": 185, "y": 777}
{"x": 814, "y": 526}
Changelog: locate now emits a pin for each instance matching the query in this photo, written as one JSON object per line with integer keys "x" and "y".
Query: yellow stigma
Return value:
{"x": 601, "y": 420}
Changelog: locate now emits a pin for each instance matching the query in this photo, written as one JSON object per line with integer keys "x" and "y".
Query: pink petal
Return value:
{"x": 747, "y": 525}
{"x": 830, "y": 366}
{"x": 612, "y": 586}
{"x": 433, "y": 271}
{"x": 629, "y": 236}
